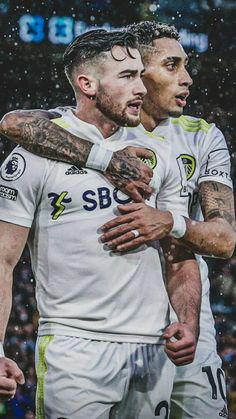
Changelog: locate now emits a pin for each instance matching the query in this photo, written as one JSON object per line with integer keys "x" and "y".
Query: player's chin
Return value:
{"x": 176, "y": 112}
{"x": 132, "y": 120}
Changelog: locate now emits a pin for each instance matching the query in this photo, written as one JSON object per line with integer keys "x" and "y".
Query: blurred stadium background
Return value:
{"x": 33, "y": 37}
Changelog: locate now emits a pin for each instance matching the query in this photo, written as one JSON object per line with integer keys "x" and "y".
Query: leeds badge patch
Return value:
{"x": 152, "y": 162}
{"x": 189, "y": 163}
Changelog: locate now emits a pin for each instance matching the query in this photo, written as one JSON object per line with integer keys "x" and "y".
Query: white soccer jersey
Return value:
{"x": 83, "y": 289}
{"x": 203, "y": 150}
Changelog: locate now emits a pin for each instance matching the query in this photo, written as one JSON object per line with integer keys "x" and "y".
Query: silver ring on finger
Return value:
{"x": 136, "y": 233}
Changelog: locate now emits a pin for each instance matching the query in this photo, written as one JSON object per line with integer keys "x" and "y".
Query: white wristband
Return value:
{"x": 99, "y": 158}
{"x": 1, "y": 350}
{"x": 179, "y": 226}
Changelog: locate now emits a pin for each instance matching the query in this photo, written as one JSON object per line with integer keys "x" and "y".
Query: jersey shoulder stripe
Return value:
{"x": 190, "y": 124}
{"x": 61, "y": 122}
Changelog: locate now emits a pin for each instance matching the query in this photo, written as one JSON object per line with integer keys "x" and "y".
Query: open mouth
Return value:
{"x": 181, "y": 99}
{"x": 135, "y": 107}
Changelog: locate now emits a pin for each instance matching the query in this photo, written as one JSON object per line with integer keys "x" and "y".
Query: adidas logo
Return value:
{"x": 224, "y": 412}
{"x": 74, "y": 170}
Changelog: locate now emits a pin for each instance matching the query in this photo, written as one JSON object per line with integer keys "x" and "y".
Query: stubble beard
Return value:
{"x": 175, "y": 114}
{"x": 154, "y": 108}
{"x": 113, "y": 111}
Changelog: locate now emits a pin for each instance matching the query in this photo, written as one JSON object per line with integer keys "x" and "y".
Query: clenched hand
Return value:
{"x": 129, "y": 174}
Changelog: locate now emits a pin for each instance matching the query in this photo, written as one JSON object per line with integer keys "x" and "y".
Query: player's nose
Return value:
{"x": 139, "y": 88}
{"x": 185, "y": 78}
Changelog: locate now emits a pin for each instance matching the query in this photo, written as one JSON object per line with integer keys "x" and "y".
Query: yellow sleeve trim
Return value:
{"x": 192, "y": 125}
{"x": 61, "y": 122}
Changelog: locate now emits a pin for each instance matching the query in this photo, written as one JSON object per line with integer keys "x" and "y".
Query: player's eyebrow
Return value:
{"x": 133, "y": 72}
{"x": 176, "y": 59}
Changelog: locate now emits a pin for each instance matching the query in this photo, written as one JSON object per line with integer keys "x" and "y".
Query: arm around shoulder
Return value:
{"x": 35, "y": 131}
{"x": 12, "y": 123}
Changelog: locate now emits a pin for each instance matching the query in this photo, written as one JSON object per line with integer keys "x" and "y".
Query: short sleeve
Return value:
{"x": 215, "y": 159}
{"x": 21, "y": 182}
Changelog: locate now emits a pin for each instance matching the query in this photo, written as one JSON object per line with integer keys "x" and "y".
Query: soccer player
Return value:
{"x": 199, "y": 389}
{"x": 100, "y": 351}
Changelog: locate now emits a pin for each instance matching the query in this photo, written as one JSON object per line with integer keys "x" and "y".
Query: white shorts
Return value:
{"x": 86, "y": 379}
{"x": 199, "y": 390}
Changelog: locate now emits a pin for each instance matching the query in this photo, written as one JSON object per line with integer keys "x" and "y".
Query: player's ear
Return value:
{"x": 87, "y": 84}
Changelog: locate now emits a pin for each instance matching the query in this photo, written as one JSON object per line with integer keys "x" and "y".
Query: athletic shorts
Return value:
{"x": 87, "y": 379}
{"x": 199, "y": 390}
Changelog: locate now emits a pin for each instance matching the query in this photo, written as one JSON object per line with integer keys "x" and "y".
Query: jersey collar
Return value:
{"x": 89, "y": 131}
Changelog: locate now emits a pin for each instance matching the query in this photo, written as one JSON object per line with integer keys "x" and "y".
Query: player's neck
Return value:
{"x": 149, "y": 121}
{"x": 91, "y": 114}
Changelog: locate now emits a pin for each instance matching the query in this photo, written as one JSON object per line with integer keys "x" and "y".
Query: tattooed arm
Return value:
{"x": 216, "y": 236}
{"x": 213, "y": 237}
{"x": 37, "y": 134}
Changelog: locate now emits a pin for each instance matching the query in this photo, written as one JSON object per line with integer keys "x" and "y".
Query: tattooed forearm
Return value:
{"x": 37, "y": 134}
{"x": 47, "y": 139}
{"x": 10, "y": 123}
{"x": 34, "y": 131}
{"x": 217, "y": 200}
{"x": 216, "y": 235}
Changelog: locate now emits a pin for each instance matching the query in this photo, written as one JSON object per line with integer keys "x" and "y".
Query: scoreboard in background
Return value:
{"x": 63, "y": 29}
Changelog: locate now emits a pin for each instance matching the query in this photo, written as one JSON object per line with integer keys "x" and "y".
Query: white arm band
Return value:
{"x": 1, "y": 350}
{"x": 179, "y": 226}
{"x": 99, "y": 158}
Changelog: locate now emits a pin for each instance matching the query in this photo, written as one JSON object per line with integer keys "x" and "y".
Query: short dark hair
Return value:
{"x": 92, "y": 44}
{"x": 146, "y": 32}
